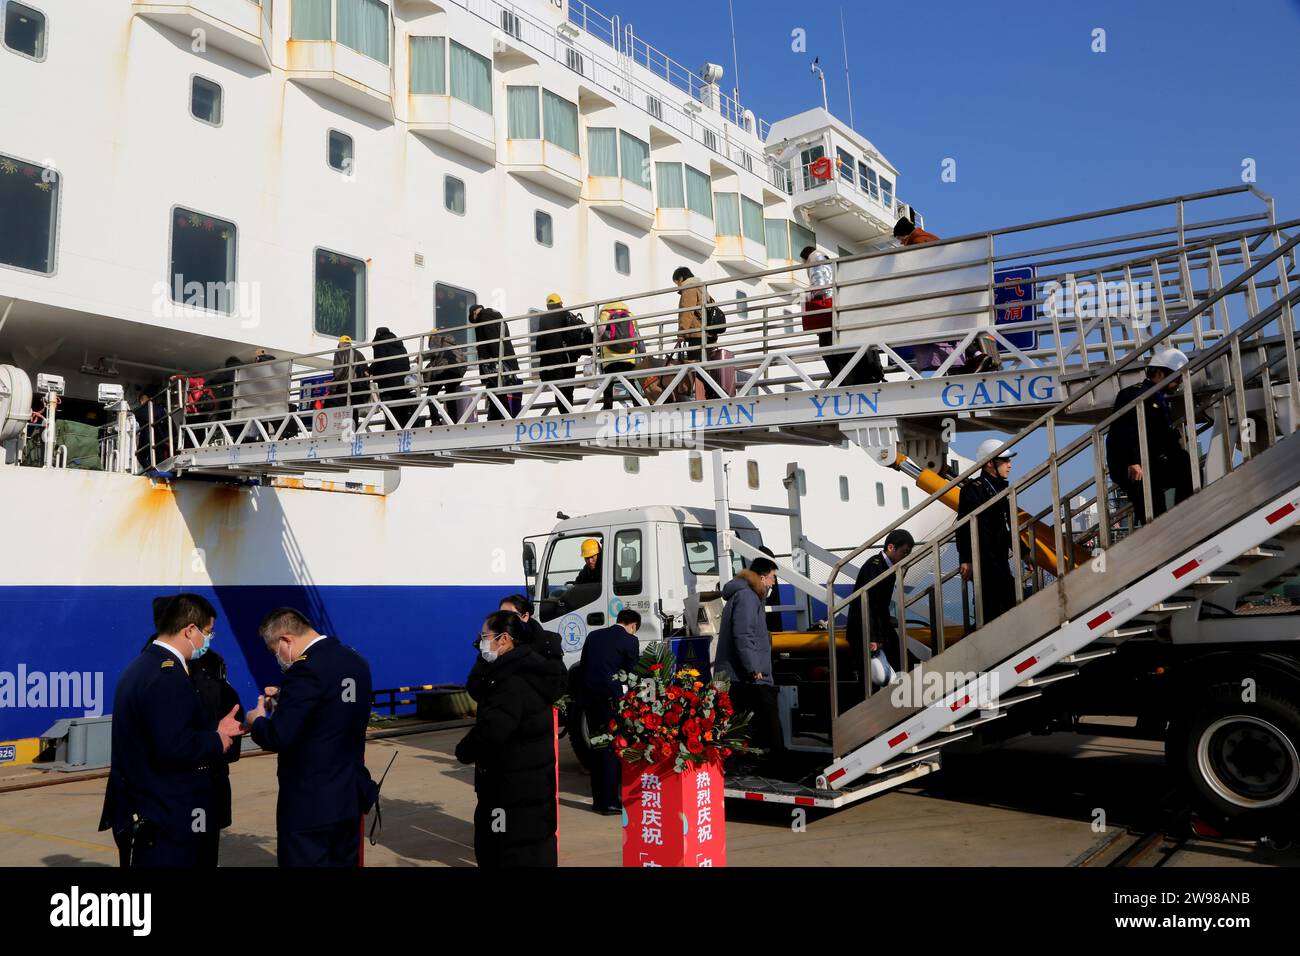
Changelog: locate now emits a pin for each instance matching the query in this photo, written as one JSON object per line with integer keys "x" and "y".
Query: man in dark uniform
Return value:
{"x": 317, "y": 724}
{"x": 997, "y": 586}
{"x": 605, "y": 653}
{"x": 898, "y": 545}
{"x": 208, "y": 675}
{"x": 159, "y": 801}
{"x": 1169, "y": 464}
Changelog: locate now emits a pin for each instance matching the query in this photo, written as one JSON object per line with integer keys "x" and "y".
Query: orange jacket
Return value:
{"x": 918, "y": 236}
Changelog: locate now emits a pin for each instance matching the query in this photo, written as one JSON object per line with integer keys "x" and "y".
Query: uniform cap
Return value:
{"x": 988, "y": 446}
{"x": 1171, "y": 360}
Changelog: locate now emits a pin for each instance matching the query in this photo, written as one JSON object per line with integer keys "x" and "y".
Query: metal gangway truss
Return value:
{"x": 1063, "y": 300}
{"x": 1236, "y": 535}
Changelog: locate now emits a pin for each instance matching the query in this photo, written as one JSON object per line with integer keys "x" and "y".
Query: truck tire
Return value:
{"x": 575, "y": 722}
{"x": 1239, "y": 761}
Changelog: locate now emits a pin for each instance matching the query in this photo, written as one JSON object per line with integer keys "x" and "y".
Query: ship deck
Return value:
{"x": 1030, "y": 803}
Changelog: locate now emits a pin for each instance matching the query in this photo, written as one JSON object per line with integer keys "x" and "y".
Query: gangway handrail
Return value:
{"x": 1231, "y": 343}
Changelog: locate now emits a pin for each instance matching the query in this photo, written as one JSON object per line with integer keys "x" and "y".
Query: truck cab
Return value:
{"x": 660, "y": 560}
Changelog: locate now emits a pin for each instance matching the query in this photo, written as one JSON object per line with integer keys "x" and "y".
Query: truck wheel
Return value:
{"x": 1240, "y": 761}
{"x": 576, "y": 723}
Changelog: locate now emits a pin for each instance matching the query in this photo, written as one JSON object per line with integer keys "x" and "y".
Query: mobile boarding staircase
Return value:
{"x": 1233, "y": 539}
{"x": 767, "y": 380}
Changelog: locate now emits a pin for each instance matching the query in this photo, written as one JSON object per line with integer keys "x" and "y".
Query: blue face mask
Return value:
{"x": 200, "y": 651}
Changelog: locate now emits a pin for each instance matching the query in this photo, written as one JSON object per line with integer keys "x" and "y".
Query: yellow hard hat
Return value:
{"x": 590, "y": 548}
{"x": 553, "y": 299}
{"x": 345, "y": 340}
{"x": 617, "y": 307}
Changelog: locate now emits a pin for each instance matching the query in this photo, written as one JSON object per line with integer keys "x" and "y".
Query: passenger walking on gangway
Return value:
{"x": 817, "y": 318}
{"x": 562, "y": 340}
{"x": 876, "y": 603}
{"x": 997, "y": 587}
{"x": 391, "y": 372}
{"x": 444, "y": 369}
{"x": 497, "y": 366}
{"x": 1170, "y": 468}
{"x": 620, "y": 344}
{"x": 350, "y": 384}
{"x": 692, "y": 305}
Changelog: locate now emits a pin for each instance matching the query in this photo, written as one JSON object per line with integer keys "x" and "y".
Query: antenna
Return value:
{"x": 848, "y": 81}
{"x": 735, "y": 57}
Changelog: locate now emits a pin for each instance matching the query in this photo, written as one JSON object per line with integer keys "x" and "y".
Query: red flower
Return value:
{"x": 613, "y": 726}
{"x": 673, "y": 718}
{"x": 692, "y": 727}
{"x": 653, "y": 721}
{"x": 620, "y": 743}
{"x": 726, "y": 752}
{"x": 656, "y": 667}
{"x": 694, "y": 746}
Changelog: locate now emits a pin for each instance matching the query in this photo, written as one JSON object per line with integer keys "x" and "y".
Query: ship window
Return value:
{"x": 635, "y": 154}
{"x": 339, "y": 151}
{"x": 695, "y": 466}
{"x": 845, "y": 163}
{"x": 542, "y": 229}
{"x": 777, "y": 234}
{"x": 654, "y": 106}
{"x": 510, "y": 23}
{"x": 844, "y": 488}
{"x": 429, "y": 65}
{"x": 867, "y": 180}
{"x": 880, "y": 494}
{"x": 363, "y": 26}
{"x": 202, "y": 261}
{"x": 727, "y": 206}
{"x": 29, "y": 206}
{"x": 622, "y": 258}
{"x": 523, "y": 121}
{"x": 627, "y": 562}
{"x": 25, "y": 30}
{"x": 453, "y": 195}
{"x": 800, "y": 238}
{"x": 806, "y": 158}
{"x": 886, "y": 192}
{"x": 559, "y": 121}
{"x": 751, "y": 473}
{"x": 471, "y": 77}
{"x": 340, "y": 295}
{"x": 602, "y": 151}
{"x": 671, "y": 193}
{"x": 632, "y": 464}
{"x": 205, "y": 101}
{"x": 451, "y": 310}
{"x": 699, "y": 192}
{"x": 311, "y": 20}
{"x": 751, "y": 220}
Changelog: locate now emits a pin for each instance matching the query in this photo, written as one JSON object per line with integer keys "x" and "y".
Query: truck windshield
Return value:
{"x": 702, "y": 551}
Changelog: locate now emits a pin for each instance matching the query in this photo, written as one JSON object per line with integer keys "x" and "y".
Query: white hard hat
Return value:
{"x": 1171, "y": 360}
{"x": 988, "y": 446}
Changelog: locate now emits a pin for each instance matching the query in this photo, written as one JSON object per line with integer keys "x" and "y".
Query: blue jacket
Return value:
{"x": 319, "y": 730}
{"x": 744, "y": 645}
{"x": 163, "y": 749}
{"x": 604, "y": 654}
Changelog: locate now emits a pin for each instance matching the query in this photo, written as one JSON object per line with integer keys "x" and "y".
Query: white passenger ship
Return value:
{"x": 338, "y": 166}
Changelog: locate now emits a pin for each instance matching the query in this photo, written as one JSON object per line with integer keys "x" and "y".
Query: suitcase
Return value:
{"x": 726, "y": 375}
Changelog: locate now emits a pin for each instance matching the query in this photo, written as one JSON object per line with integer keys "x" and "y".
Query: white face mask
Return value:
{"x": 485, "y": 648}
{"x": 284, "y": 665}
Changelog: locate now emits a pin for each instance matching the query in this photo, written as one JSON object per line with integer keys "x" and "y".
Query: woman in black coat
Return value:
{"x": 390, "y": 369}
{"x": 512, "y": 747}
{"x": 497, "y": 365}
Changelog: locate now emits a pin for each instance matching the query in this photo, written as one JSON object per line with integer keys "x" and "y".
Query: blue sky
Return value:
{"x": 1038, "y": 124}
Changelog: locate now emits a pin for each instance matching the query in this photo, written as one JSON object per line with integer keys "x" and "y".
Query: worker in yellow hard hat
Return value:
{"x": 590, "y": 572}
{"x": 562, "y": 340}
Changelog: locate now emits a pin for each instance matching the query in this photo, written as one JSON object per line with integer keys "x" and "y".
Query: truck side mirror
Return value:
{"x": 530, "y": 560}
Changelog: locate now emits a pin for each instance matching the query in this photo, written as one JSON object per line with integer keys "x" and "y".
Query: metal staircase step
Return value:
{"x": 1261, "y": 553}
{"x": 1042, "y": 680}
{"x": 961, "y": 727}
{"x": 1213, "y": 581}
{"x": 1133, "y": 630}
{"x": 1079, "y": 657}
{"x": 1168, "y": 607}
{"x": 930, "y": 754}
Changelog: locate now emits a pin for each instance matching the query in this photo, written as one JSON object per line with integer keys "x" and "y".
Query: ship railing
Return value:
{"x": 1045, "y": 328}
{"x": 618, "y": 80}
{"x": 885, "y": 204}
{"x": 1235, "y": 398}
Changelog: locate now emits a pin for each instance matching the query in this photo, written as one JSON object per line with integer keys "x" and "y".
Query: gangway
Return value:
{"x": 767, "y": 380}
{"x": 1174, "y": 581}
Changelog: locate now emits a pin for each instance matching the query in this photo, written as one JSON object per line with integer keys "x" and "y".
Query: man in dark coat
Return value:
{"x": 389, "y": 371}
{"x": 159, "y": 800}
{"x": 443, "y": 371}
{"x": 512, "y": 747}
{"x": 997, "y": 586}
{"x": 208, "y": 675}
{"x": 744, "y": 654}
{"x": 317, "y": 724}
{"x": 562, "y": 339}
{"x": 350, "y": 384}
{"x": 1170, "y": 467}
{"x": 884, "y": 635}
{"x": 605, "y": 653}
{"x": 497, "y": 367}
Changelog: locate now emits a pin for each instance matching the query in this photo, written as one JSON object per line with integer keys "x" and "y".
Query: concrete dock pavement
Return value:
{"x": 1031, "y": 802}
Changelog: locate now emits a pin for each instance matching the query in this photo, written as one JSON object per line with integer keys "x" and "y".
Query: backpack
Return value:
{"x": 623, "y": 332}
{"x": 715, "y": 322}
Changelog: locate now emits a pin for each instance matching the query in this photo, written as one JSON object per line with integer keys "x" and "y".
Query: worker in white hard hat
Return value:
{"x": 1168, "y": 466}
{"x": 992, "y": 579}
